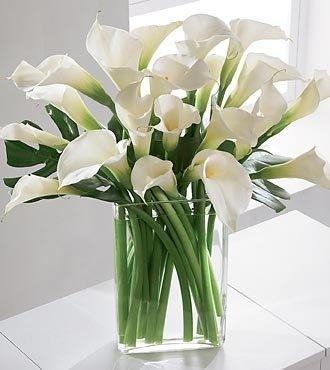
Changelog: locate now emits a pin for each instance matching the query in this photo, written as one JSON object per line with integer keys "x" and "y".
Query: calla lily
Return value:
{"x": 183, "y": 72}
{"x": 84, "y": 156}
{"x": 244, "y": 127}
{"x": 268, "y": 109}
{"x": 214, "y": 63}
{"x": 316, "y": 91}
{"x": 308, "y": 166}
{"x": 134, "y": 112}
{"x": 59, "y": 69}
{"x": 226, "y": 181}
{"x": 245, "y": 32}
{"x": 66, "y": 99}
{"x": 257, "y": 70}
{"x": 150, "y": 171}
{"x": 28, "y": 134}
{"x": 202, "y": 33}
{"x": 151, "y": 37}
{"x": 117, "y": 52}
{"x": 229, "y": 123}
{"x": 175, "y": 117}
{"x": 30, "y": 187}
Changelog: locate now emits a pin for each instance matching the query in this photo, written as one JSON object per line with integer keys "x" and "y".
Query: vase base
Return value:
{"x": 168, "y": 345}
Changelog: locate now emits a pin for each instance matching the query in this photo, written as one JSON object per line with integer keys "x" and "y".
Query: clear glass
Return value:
{"x": 171, "y": 276}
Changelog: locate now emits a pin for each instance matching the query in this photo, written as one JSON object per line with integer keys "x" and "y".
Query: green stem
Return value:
{"x": 182, "y": 234}
{"x": 154, "y": 277}
{"x": 210, "y": 230}
{"x": 121, "y": 272}
{"x": 142, "y": 317}
{"x": 210, "y": 312}
{"x": 180, "y": 269}
{"x": 163, "y": 300}
{"x": 136, "y": 284}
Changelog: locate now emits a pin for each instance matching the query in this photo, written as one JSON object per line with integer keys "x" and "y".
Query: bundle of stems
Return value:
{"x": 152, "y": 241}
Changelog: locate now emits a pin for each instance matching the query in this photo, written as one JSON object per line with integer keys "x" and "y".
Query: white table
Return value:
{"x": 77, "y": 332}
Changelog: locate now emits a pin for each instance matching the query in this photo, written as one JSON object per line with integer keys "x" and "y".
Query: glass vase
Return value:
{"x": 171, "y": 276}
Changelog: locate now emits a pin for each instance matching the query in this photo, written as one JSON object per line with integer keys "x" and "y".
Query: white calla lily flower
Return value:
{"x": 158, "y": 85}
{"x": 317, "y": 90}
{"x": 134, "y": 112}
{"x": 182, "y": 71}
{"x": 268, "y": 109}
{"x": 175, "y": 116}
{"x": 202, "y": 33}
{"x": 150, "y": 171}
{"x": 214, "y": 63}
{"x": 226, "y": 182}
{"x": 66, "y": 99}
{"x": 84, "y": 156}
{"x": 151, "y": 37}
{"x": 59, "y": 69}
{"x": 30, "y": 187}
{"x": 257, "y": 70}
{"x": 29, "y": 134}
{"x": 116, "y": 51}
{"x": 228, "y": 186}
{"x": 308, "y": 166}
{"x": 247, "y": 31}
{"x": 229, "y": 123}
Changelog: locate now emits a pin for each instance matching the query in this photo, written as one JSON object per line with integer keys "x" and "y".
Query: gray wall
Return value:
{"x": 51, "y": 248}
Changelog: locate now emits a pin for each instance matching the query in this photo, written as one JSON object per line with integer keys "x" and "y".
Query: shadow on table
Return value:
{"x": 109, "y": 358}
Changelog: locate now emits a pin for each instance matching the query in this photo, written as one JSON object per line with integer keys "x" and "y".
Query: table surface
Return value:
{"x": 278, "y": 313}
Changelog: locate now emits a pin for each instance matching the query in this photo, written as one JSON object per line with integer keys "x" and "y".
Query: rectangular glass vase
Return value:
{"x": 171, "y": 276}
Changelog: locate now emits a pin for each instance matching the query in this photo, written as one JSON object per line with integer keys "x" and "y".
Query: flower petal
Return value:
{"x": 26, "y": 76}
{"x": 29, "y": 134}
{"x": 30, "y": 187}
{"x": 257, "y": 70}
{"x": 184, "y": 72}
{"x": 66, "y": 99}
{"x": 202, "y": 33}
{"x": 85, "y": 155}
{"x": 133, "y": 110}
{"x": 113, "y": 48}
{"x": 151, "y": 37}
{"x": 150, "y": 171}
{"x": 248, "y": 31}
{"x": 269, "y": 108}
{"x": 214, "y": 63}
{"x": 308, "y": 166}
{"x": 228, "y": 186}
{"x": 229, "y": 123}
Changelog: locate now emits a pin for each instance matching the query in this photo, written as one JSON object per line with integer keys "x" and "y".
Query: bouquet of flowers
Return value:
{"x": 180, "y": 148}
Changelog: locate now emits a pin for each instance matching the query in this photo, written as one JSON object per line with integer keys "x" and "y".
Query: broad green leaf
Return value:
{"x": 272, "y": 188}
{"x": 23, "y": 155}
{"x": 268, "y": 199}
{"x": 67, "y": 127}
{"x": 227, "y": 146}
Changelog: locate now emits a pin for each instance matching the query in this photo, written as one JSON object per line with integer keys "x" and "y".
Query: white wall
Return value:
{"x": 51, "y": 248}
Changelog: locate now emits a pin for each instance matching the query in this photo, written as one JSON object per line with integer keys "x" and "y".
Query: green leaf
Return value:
{"x": 268, "y": 199}
{"x": 23, "y": 155}
{"x": 45, "y": 171}
{"x": 67, "y": 127}
{"x": 272, "y": 188}
{"x": 186, "y": 150}
{"x": 27, "y": 122}
{"x": 116, "y": 127}
{"x": 259, "y": 160}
